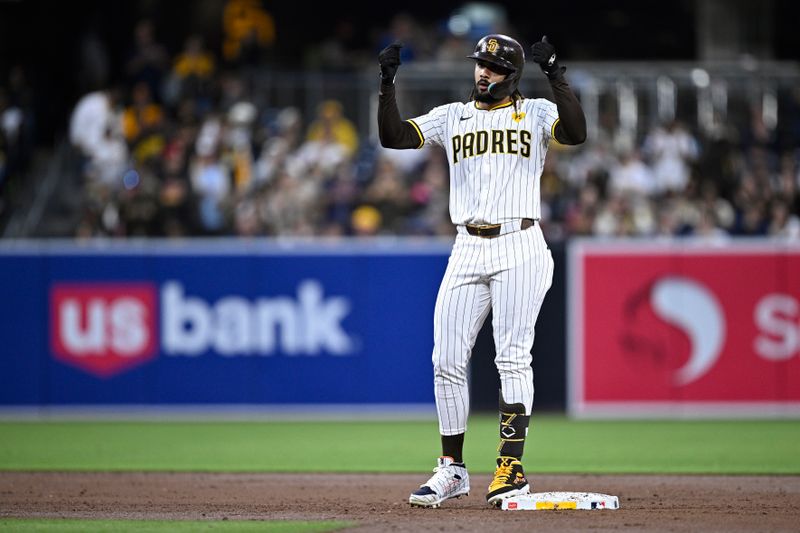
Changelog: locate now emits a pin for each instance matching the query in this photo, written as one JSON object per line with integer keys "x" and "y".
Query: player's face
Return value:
{"x": 486, "y": 74}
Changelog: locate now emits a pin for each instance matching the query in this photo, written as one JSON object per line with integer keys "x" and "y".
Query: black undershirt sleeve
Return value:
{"x": 571, "y": 127}
{"x": 392, "y": 130}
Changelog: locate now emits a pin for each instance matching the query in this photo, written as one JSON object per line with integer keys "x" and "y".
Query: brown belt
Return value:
{"x": 493, "y": 230}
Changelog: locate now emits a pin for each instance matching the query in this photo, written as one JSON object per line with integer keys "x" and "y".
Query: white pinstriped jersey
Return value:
{"x": 496, "y": 156}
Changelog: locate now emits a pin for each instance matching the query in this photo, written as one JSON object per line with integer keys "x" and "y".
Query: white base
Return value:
{"x": 560, "y": 500}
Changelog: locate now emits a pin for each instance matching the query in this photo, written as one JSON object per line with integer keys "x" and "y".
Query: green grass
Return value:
{"x": 160, "y": 526}
{"x": 555, "y": 445}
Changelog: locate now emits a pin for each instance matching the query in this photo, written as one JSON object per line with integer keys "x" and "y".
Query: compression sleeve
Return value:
{"x": 392, "y": 130}
{"x": 571, "y": 126}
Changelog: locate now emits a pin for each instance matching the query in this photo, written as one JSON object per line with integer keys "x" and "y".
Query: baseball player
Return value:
{"x": 496, "y": 145}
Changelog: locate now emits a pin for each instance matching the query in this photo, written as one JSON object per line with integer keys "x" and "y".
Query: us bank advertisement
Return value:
{"x": 218, "y": 324}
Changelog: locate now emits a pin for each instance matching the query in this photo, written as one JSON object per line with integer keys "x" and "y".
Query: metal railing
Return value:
{"x": 633, "y": 95}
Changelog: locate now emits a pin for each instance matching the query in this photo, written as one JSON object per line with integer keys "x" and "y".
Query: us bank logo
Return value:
{"x": 696, "y": 316}
{"x": 108, "y": 328}
{"x": 102, "y": 328}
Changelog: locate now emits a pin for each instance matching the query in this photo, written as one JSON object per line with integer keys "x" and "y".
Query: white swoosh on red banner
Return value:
{"x": 693, "y": 308}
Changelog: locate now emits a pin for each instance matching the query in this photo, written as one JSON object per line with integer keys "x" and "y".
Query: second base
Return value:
{"x": 560, "y": 500}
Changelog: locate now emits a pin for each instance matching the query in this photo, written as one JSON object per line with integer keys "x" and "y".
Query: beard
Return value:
{"x": 483, "y": 96}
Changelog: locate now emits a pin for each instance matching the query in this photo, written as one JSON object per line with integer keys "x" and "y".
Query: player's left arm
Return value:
{"x": 570, "y": 128}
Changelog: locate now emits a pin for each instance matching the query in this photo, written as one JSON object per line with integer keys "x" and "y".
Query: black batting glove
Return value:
{"x": 389, "y": 59}
{"x": 544, "y": 54}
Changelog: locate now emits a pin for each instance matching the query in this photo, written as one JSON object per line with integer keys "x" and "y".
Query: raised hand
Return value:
{"x": 389, "y": 60}
{"x": 544, "y": 54}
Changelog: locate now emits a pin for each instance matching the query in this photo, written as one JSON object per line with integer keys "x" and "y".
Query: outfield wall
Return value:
{"x": 675, "y": 328}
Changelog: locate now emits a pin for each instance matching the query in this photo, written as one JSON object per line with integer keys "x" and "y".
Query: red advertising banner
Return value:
{"x": 684, "y": 330}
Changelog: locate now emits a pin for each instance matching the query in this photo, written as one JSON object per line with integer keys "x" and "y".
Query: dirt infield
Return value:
{"x": 377, "y": 502}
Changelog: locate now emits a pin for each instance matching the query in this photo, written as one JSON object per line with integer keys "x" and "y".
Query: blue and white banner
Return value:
{"x": 218, "y": 322}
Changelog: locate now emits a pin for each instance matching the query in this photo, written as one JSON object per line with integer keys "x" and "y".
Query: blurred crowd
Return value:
{"x": 181, "y": 148}
{"x": 16, "y": 133}
{"x": 674, "y": 183}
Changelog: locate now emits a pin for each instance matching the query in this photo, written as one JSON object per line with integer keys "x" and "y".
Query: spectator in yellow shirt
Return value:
{"x": 194, "y": 61}
{"x": 193, "y": 74}
{"x": 142, "y": 123}
{"x": 248, "y": 30}
{"x": 331, "y": 125}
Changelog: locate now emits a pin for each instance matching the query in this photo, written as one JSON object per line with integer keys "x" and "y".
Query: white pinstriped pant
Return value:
{"x": 510, "y": 275}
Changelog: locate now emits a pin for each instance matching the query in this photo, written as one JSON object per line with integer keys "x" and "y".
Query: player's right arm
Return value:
{"x": 393, "y": 131}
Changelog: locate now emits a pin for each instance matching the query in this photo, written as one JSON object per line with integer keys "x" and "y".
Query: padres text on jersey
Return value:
{"x": 511, "y": 142}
